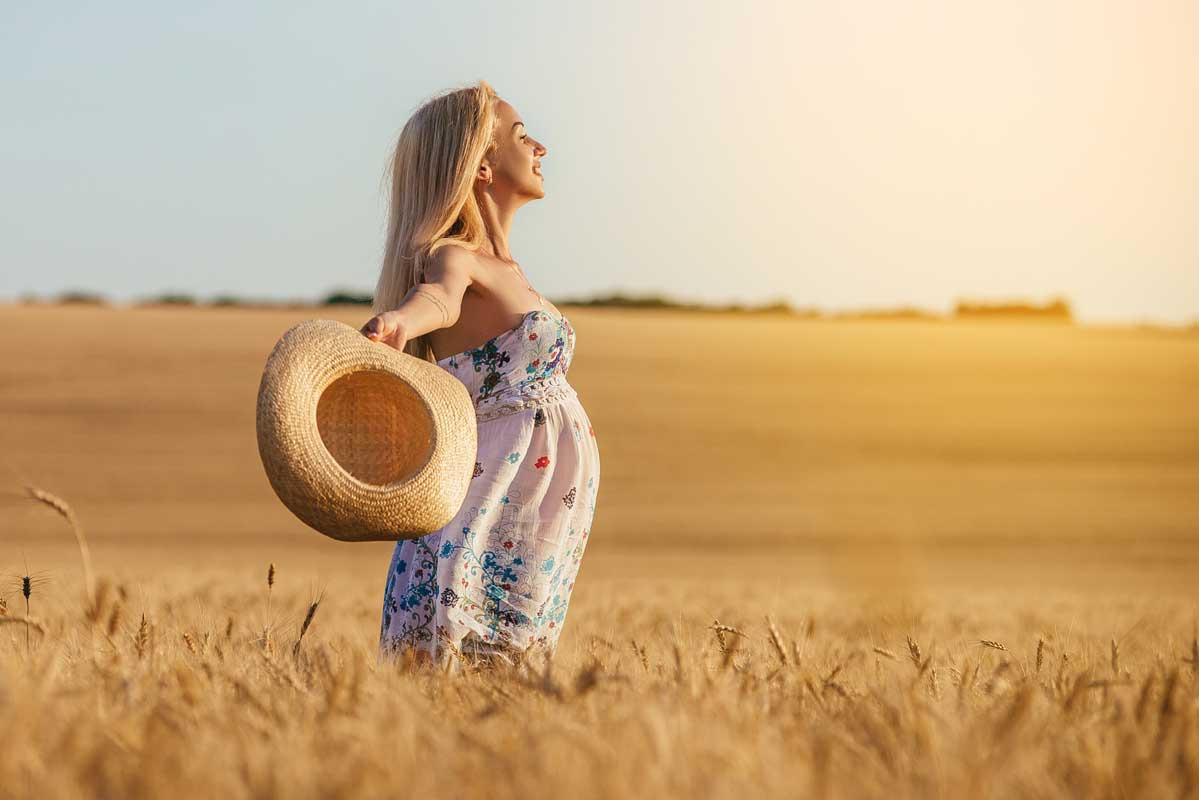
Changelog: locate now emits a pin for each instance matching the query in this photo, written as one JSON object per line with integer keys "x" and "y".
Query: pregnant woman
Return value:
{"x": 494, "y": 583}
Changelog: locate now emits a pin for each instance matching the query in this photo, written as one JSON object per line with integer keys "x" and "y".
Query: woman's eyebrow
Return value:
{"x": 518, "y": 122}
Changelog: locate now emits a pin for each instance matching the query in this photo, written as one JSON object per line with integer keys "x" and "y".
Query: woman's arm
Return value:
{"x": 435, "y": 303}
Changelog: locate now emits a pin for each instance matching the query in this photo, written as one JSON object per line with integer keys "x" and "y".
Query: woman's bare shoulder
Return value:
{"x": 451, "y": 261}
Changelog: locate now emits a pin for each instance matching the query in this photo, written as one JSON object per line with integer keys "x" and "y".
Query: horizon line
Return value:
{"x": 1056, "y": 310}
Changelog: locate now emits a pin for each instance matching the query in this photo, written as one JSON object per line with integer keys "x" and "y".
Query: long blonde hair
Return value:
{"x": 432, "y": 199}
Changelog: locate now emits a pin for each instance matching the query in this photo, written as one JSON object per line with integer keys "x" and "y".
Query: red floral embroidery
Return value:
{"x": 512, "y": 566}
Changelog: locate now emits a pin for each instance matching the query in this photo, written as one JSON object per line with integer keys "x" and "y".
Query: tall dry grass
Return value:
{"x": 176, "y": 673}
{"x": 777, "y": 694}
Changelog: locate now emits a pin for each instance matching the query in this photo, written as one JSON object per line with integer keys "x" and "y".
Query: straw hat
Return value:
{"x": 361, "y": 441}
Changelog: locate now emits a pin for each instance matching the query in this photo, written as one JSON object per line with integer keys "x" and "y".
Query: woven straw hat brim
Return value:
{"x": 361, "y": 441}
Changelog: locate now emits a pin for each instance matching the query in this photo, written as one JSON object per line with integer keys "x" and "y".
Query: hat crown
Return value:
{"x": 362, "y": 441}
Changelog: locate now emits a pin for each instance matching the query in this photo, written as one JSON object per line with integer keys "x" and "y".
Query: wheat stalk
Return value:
{"x": 97, "y": 603}
{"x": 64, "y": 510}
{"x": 266, "y": 628}
{"x": 143, "y": 637}
{"x": 1061, "y": 669}
{"x": 716, "y": 626}
{"x": 28, "y": 622}
{"x": 114, "y": 620}
{"x": 777, "y": 641}
{"x": 731, "y": 651}
{"x": 304, "y": 627}
{"x": 639, "y": 650}
{"x": 279, "y": 674}
{"x": 914, "y": 651}
{"x": 26, "y": 584}
{"x": 720, "y": 631}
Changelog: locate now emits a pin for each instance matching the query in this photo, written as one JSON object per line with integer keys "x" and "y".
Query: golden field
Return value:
{"x": 976, "y": 541}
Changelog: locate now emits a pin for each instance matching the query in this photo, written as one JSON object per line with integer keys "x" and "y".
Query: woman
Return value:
{"x": 494, "y": 583}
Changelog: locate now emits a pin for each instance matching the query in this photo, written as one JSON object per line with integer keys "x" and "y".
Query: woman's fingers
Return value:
{"x": 380, "y": 329}
{"x": 375, "y": 328}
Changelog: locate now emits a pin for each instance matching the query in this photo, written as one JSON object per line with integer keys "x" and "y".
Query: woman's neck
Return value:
{"x": 497, "y": 218}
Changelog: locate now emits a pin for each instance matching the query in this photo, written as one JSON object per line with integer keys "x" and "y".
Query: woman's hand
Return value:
{"x": 386, "y": 328}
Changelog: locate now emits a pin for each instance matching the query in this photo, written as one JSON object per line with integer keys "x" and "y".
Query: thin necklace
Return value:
{"x": 521, "y": 273}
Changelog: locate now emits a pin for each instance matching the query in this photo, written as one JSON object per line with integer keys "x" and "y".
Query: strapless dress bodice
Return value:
{"x": 521, "y": 368}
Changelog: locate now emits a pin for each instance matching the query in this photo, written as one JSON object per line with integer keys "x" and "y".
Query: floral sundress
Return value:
{"x": 499, "y": 575}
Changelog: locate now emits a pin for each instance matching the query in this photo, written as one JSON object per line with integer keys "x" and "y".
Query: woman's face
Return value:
{"x": 516, "y": 166}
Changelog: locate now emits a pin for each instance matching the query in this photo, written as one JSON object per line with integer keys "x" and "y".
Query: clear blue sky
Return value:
{"x": 836, "y": 155}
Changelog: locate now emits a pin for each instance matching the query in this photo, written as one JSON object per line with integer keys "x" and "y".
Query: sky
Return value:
{"x": 838, "y": 156}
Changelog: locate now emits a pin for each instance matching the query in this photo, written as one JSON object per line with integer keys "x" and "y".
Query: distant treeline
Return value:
{"x": 1056, "y": 310}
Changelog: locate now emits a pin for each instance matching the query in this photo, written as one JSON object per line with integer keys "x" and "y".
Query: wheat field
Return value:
{"x": 830, "y": 559}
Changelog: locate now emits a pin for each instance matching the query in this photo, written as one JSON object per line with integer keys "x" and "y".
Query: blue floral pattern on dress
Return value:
{"x": 503, "y": 569}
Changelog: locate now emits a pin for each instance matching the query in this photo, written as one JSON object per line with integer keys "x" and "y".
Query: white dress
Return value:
{"x": 499, "y": 575}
